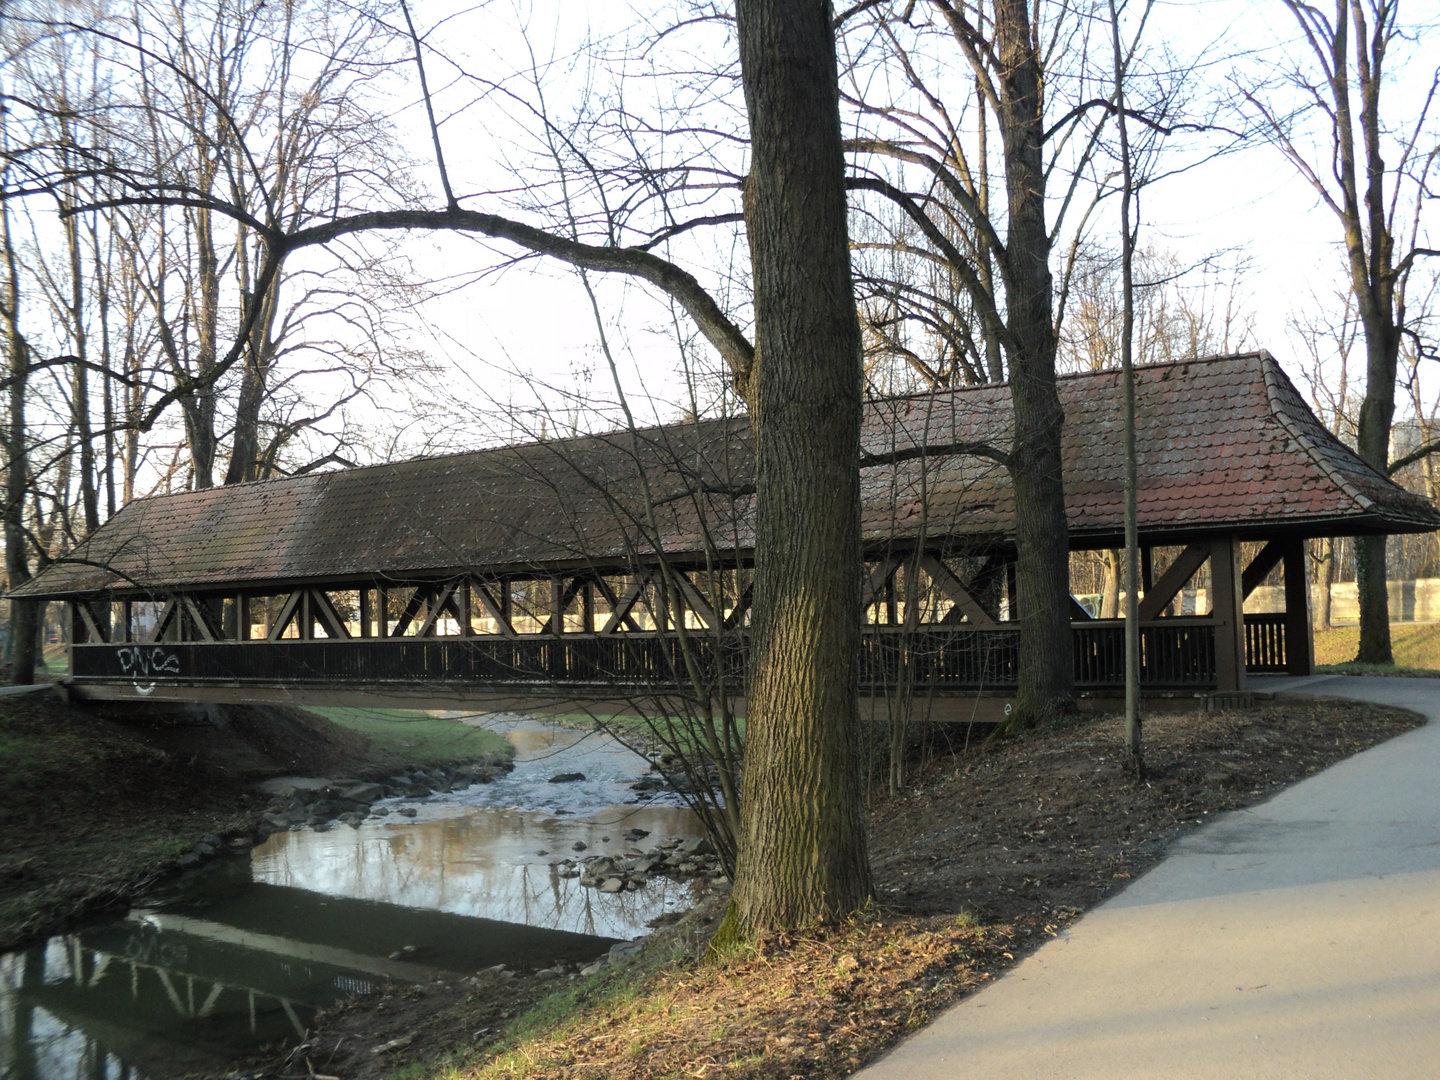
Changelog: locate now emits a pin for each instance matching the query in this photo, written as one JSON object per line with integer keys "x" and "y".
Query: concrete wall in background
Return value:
{"x": 1416, "y": 600}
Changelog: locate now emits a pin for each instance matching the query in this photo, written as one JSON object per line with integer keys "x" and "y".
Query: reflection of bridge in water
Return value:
{"x": 196, "y": 986}
{"x": 131, "y": 1001}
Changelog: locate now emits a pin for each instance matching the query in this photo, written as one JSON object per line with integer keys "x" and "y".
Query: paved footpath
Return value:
{"x": 1298, "y": 939}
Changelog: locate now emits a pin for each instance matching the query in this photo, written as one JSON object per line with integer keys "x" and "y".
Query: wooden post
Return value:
{"x": 1147, "y": 568}
{"x": 127, "y": 621}
{"x": 1299, "y": 632}
{"x": 366, "y": 614}
{"x": 587, "y": 607}
{"x": 242, "y": 616}
{"x": 1229, "y": 613}
{"x": 382, "y": 612}
{"x": 306, "y": 616}
{"x": 557, "y": 609}
{"x": 77, "y": 624}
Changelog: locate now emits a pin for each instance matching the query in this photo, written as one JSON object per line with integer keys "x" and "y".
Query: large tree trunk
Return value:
{"x": 1377, "y": 414}
{"x": 245, "y": 450}
{"x": 1110, "y": 597}
{"x": 17, "y": 562}
{"x": 1042, "y": 571}
{"x": 802, "y": 854}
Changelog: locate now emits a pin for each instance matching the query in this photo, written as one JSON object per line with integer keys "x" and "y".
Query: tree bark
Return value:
{"x": 17, "y": 561}
{"x": 1041, "y": 533}
{"x": 802, "y": 855}
{"x": 1110, "y": 597}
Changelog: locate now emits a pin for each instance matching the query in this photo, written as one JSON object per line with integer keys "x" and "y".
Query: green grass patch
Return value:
{"x": 687, "y": 732}
{"x": 1415, "y": 646}
{"x": 417, "y": 736}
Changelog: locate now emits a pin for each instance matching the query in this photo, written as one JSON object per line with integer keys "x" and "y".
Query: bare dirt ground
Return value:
{"x": 992, "y": 851}
{"x": 96, "y": 804}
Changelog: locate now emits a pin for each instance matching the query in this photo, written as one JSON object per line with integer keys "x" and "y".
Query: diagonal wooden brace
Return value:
{"x": 945, "y": 579}
{"x": 324, "y": 610}
{"x": 287, "y": 612}
{"x": 1259, "y": 569}
{"x": 1172, "y": 581}
{"x": 621, "y": 609}
{"x": 492, "y": 608}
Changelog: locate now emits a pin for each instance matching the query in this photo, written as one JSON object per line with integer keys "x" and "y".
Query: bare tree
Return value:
{"x": 1345, "y": 95}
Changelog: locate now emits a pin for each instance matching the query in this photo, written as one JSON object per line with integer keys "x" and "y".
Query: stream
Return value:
{"x": 244, "y": 951}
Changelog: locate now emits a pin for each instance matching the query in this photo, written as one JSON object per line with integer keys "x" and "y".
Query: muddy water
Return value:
{"x": 243, "y": 952}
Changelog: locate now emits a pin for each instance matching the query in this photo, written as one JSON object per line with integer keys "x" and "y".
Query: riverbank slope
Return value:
{"x": 99, "y": 802}
{"x": 992, "y": 851}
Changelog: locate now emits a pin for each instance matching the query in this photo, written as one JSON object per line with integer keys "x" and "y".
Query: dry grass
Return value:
{"x": 1416, "y": 646}
{"x": 812, "y": 1005}
{"x": 988, "y": 854}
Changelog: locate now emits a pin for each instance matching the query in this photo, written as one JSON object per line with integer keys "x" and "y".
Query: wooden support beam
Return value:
{"x": 367, "y": 612}
{"x": 880, "y": 576}
{"x": 1259, "y": 569}
{"x": 1173, "y": 580}
{"x": 323, "y": 611}
{"x": 287, "y": 612}
{"x": 1228, "y": 612}
{"x": 697, "y": 602}
{"x": 587, "y": 606}
{"x": 167, "y": 613}
{"x": 560, "y": 599}
{"x": 620, "y": 609}
{"x": 205, "y": 630}
{"x": 87, "y": 623}
{"x": 1299, "y": 630}
{"x": 422, "y": 592}
{"x": 946, "y": 581}
{"x": 1078, "y": 611}
{"x": 127, "y": 617}
{"x": 742, "y": 605}
{"x": 1147, "y": 568}
{"x": 495, "y": 610}
{"x": 382, "y": 611}
{"x": 984, "y": 579}
{"x": 242, "y": 617}
{"x": 439, "y": 601}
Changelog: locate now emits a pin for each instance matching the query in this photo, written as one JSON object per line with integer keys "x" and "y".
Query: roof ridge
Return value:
{"x": 1272, "y": 374}
{"x": 953, "y": 391}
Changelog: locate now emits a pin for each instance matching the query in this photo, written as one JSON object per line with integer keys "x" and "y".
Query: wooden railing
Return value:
{"x": 1178, "y": 653}
{"x": 1265, "y": 645}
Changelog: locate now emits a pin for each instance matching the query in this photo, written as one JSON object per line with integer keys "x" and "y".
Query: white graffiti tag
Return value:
{"x": 144, "y": 662}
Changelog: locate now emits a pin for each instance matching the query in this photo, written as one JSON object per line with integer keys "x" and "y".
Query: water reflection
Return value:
{"x": 245, "y": 952}
{"x": 477, "y": 852}
{"x": 134, "y": 1000}
{"x": 222, "y": 965}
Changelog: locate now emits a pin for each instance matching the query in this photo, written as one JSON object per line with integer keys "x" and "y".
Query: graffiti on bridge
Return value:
{"x": 142, "y": 663}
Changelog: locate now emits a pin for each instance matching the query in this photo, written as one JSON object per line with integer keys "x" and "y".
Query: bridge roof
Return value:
{"x": 1224, "y": 444}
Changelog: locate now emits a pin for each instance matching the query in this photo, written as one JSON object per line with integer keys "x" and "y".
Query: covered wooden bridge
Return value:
{"x": 618, "y": 565}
